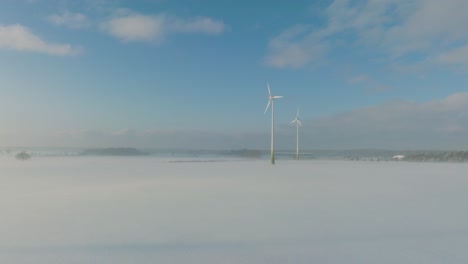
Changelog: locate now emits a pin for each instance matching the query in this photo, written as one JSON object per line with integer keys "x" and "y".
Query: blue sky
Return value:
{"x": 365, "y": 73}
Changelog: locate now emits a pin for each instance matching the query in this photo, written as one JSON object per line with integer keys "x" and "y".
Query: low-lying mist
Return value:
{"x": 149, "y": 210}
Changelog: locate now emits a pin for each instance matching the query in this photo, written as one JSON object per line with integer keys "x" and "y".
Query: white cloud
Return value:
{"x": 398, "y": 124}
{"x": 72, "y": 20}
{"x": 286, "y": 51}
{"x": 203, "y": 25}
{"x": 431, "y": 26}
{"x": 136, "y": 28}
{"x": 130, "y": 27}
{"x": 455, "y": 56}
{"x": 369, "y": 84}
{"x": 359, "y": 79}
{"x": 183, "y": 139}
{"x": 20, "y": 38}
{"x": 394, "y": 27}
{"x": 437, "y": 124}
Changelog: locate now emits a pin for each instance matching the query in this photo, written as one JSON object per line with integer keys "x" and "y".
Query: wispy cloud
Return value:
{"x": 188, "y": 139}
{"x": 441, "y": 123}
{"x": 71, "y": 20}
{"x": 396, "y": 28}
{"x": 437, "y": 124}
{"x": 295, "y": 48}
{"x": 359, "y": 79}
{"x": 204, "y": 25}
{"x": 455, "y": 56}
{"x": 369, "y": 84}
{"x": 20, "y": 38}
{"x": 134, "y": 27}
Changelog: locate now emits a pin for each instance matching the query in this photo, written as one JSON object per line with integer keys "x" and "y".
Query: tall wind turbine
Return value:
{"x": 298, "y": 123}
{"x": 271, "y": 100}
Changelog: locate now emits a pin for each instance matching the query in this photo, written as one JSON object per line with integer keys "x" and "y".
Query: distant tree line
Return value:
{"x": 244, "y": 153}
{"x": 444, "y": 156}
{"x": 114, "y": 152}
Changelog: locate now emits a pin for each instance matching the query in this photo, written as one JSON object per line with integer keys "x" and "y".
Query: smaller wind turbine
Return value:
{"x": 298, "y": 123}
{"x": 271, "y": 99}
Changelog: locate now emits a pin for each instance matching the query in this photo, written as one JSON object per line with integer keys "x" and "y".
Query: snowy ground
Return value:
{"x": 147, "y": 210}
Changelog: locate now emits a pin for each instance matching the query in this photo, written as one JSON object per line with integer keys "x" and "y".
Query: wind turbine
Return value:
{"x": 298, "y": 123}
{"x": 271, "y": 100}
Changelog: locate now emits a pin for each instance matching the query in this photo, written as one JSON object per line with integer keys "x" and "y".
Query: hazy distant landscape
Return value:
{"x": 355, "y": 155}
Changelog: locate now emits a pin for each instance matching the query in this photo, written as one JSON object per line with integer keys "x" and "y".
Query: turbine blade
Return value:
{"x": 277, "y": 97}
{"x": 268, "y": 105}
{"x": 269, "y": 92}
{"x": 293, "y": 121}
{"x": 299, "y": 122}
{"x": 297, "y": 115}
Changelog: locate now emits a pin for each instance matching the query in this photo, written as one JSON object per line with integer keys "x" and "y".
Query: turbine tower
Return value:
{"x": 271, "y": 100}
{"x": 298, "y": 123}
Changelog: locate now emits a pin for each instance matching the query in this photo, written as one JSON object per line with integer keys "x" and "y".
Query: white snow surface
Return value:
{"x": 94, "y": 210}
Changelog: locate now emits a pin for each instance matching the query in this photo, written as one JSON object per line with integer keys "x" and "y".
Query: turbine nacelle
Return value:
{"x": 271, "y": 98}
{"x": 296, "y": 120}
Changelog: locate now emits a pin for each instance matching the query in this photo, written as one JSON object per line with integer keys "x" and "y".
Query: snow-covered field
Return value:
{"x": 147, "y": 210}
